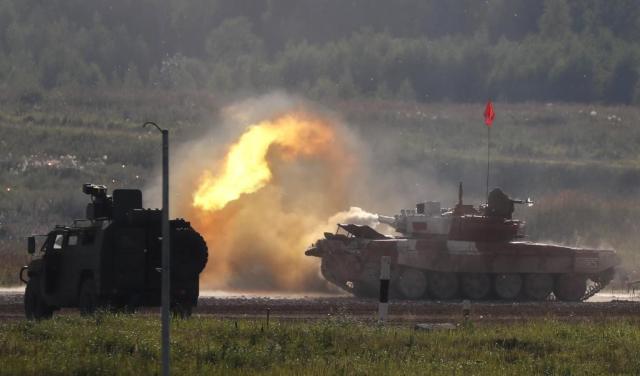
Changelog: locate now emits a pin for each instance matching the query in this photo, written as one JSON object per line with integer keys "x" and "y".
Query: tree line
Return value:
{"x": 425, "y": 50}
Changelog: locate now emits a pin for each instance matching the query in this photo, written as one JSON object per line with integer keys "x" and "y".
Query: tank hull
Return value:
{"x": 452, "y": 269}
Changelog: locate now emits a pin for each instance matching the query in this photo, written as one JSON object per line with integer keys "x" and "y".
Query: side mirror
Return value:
{"x": 31, "y": 245}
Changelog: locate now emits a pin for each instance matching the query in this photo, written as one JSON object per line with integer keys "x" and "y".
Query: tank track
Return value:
{"x": 592, "y": 290}
{"x": 599, "y": 282}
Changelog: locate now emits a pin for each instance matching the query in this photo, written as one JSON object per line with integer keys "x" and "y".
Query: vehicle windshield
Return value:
{"x": 53, "y": 241}
{"x": 57, "y": 243}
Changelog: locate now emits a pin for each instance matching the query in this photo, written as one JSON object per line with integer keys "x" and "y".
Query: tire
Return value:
{"x": 189, "y": 251}
{"x": 87, "y": 297}
{"x": 475, "y": 286}
{"x": 507, "y": 286}
{"x": 34, "y": 306}
{"x": 412, "y": 283}
{"x": 570, "y": 287}
{"x": 181, "y": 310}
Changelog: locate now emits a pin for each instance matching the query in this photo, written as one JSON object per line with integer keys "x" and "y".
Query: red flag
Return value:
{"x": 489, "y": 115}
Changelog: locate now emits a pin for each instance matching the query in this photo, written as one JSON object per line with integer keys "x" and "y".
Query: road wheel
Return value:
{"x": 412, "y": 283}
{"x": 570, "y": 287}
{"x": 476, "y": 286}
{"x": 181, "y": 310}
{"x": 508, "y": 286}
{"x": 87, "y": 297}
{"x": 34, "y": 306}
{"x": 538, "y": 286}
{"x": 442, "y": 285}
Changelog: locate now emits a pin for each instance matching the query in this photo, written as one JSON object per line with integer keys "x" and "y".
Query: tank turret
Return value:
{"x": 427, "y": 220}
{"x": 491, "y": 222}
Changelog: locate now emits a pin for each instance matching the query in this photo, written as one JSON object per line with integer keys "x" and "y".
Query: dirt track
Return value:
{"x": 297, "y": 307}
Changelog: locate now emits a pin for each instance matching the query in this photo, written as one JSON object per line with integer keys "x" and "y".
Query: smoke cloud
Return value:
{"x": 257, "y": 239}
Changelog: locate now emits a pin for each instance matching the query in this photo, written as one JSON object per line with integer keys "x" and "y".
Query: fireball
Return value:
{"x": 246, "y": 168}
{"x": 262, "y": 206}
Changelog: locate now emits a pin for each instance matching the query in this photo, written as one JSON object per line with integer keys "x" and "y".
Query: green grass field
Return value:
{"x": 107, "y": 345}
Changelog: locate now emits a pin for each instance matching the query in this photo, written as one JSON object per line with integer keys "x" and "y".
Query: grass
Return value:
{"x": 107, "y": 344}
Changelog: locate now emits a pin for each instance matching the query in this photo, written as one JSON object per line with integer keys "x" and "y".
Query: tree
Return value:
{"x": 555, "y": 21}
{"x": 624, "y": 80}
{"x": 232, "y": 39}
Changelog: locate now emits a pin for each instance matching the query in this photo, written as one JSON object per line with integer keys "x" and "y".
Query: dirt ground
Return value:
{"x": 603, "y": 306}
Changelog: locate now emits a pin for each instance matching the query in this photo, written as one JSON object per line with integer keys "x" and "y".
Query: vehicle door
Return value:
{"x": 52, "y": 260}
{"x": 129, "y": 259}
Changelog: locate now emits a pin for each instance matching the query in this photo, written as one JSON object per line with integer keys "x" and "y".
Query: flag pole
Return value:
{"x": 489, "y": 115}
{"x": 488, "y": 159}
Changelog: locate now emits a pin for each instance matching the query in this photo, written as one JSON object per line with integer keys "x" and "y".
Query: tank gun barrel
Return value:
{"x": 391, "y": 221}
{"x": 528, "y": 202}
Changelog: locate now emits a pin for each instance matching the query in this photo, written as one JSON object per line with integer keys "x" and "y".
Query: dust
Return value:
{"x": 303, "y": 177}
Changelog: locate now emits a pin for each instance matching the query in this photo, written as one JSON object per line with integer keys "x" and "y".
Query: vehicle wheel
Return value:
{"x": 133, "y": 302}
{"x": 412, "y": 283}
{"x": 538, "y": 286}
{"x": 508, "y": 286}
{"x": 442, "y": 285}
{"x": 476, "y": 286}
{"x": 117, "y": 308}
{"x": 34, "y": 307}
{"x": 87, "y": 298}
{"x": 181, "y": 310}
{"x": 570, "y": 287}
{"x": 189, "y": 251}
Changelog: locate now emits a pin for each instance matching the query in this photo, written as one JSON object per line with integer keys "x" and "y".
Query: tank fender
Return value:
{"x": 22, "y": 270}
{"x": 313, "y": 251}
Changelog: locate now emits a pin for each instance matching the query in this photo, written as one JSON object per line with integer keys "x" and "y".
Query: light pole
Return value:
{"x": 166, "y": 269}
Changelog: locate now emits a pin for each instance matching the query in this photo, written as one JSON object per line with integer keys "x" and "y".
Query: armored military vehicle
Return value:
{"x": 476, "y": 253}
{"x": 112, "y": 259}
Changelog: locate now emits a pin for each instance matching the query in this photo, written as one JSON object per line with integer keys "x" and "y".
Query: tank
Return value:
{"x": 112, "y": 259}
{"x": 462, "y": 252}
